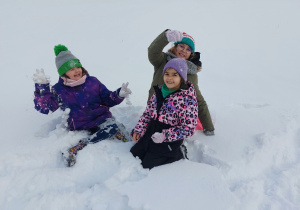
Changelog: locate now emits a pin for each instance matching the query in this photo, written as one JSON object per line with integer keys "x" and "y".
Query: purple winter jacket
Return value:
{"x": 88, "y": 103}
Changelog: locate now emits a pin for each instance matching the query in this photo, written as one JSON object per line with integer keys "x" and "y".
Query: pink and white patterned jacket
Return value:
{"x": 179, "y": 110}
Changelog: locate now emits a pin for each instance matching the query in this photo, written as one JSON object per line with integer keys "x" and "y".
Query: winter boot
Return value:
{"x": 70, "y": 155}
{"x": 69, "y": 158}
{"x": 122, "y": 133}
{"x": 121, "y": 136}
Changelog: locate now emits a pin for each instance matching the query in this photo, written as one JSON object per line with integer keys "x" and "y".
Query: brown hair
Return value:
{"x": 173, "y": 50}
{"x": 84, "y": 72}
{"x": 183, "y": 84}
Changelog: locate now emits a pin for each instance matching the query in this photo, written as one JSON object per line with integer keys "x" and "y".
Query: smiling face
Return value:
{"x": 74, "y": 73}
{"x": 172, "y": 79}
{"x": 183, "y": 51}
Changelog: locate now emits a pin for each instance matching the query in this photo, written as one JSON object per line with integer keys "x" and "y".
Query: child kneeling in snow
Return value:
{"x": 85, "y": 96}
{"x": 170, "y": 117}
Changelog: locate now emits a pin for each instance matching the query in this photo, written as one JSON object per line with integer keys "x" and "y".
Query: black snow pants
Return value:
{"x": 156, "y": 154}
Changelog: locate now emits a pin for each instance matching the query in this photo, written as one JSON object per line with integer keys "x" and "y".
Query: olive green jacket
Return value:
{"x": 159, "y": 59}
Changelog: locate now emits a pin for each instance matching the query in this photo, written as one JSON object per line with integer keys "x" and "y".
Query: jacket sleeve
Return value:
{"x": 109, "y": 98}
{"x": 144, "y": 120}
{"x": 203, "y": 111}
{"x": 155, "y": 51}
{"x": 187, "y": 122}
{"x": 44, "y": 99}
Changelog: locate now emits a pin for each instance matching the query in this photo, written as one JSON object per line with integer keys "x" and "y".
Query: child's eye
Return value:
{"x": 189, "y": 49}
{"x": 181, "y": 45}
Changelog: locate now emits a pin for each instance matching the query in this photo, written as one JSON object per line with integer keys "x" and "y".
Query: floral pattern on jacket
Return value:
{"x": 179, "y": 109}
{"x": 88, "y": 103}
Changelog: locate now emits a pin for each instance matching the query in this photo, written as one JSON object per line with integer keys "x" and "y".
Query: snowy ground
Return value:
{"x": 250, "y": 53}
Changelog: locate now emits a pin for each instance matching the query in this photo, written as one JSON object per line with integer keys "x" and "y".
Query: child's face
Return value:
{"x": 172, "y": 79}
{"x": 183, "y": 51}
{"x": 74, "y": 73}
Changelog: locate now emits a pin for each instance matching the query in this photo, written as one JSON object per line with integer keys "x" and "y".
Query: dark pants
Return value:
{"x": 152, "y": 154}
{"x": 104, "y": 131}
{"x": 107, "y": 129}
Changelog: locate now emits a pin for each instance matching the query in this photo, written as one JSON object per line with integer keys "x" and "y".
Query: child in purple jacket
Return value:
{"x": 85, "y": 98}
{"x": 170, "y": 117}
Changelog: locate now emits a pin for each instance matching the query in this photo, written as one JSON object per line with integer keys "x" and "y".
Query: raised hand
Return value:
{"x": 174, "y": 35}
{"x": 125, "y": 91}
{"x": 40, "y": 77}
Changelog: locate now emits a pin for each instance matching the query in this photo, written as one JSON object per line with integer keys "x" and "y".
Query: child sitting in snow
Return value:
{"x": 170, "y": 117}
{"x": 87, "y": 99}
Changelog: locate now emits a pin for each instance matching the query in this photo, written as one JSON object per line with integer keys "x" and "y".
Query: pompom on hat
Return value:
{"x": 64, "y": 59}
{"x": 187, "y": 39}
{"x": 180, "y": 65}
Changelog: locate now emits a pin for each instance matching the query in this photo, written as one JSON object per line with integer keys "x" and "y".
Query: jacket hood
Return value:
{"x": 192, "y": 68}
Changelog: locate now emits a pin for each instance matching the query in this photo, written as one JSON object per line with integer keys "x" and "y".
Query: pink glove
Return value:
{"x": 174, "y": 36}
{"x": 158, "y": 137}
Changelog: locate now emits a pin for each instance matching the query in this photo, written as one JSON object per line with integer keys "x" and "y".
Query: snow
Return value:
{"x": 250, "y": 80}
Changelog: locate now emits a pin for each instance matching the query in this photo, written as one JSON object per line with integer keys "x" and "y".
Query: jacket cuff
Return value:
{"x": 41, "y": 89}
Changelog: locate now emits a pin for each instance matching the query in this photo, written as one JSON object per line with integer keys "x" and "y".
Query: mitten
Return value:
{"x": 125, "y": 91}
{"x": 158, "y": 137}
{"x": 209, "y": 133}
{"x": 40, "y": 78}
{"x": 196, "y": 59}
{"x": 174, "y": 36}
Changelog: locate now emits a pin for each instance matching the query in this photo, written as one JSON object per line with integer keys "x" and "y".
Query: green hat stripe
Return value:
{"x": 68, "y": 65}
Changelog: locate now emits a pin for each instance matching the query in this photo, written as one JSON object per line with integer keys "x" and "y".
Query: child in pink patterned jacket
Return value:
{"x": 169, "y": 118}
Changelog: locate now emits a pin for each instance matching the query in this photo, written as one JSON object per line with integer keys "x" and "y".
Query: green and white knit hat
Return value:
{"x": 64, "y": 59}
{"x": 187, "y": 39}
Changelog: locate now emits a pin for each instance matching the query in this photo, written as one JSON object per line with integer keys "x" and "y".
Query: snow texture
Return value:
{"x": 250, "y": 79}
